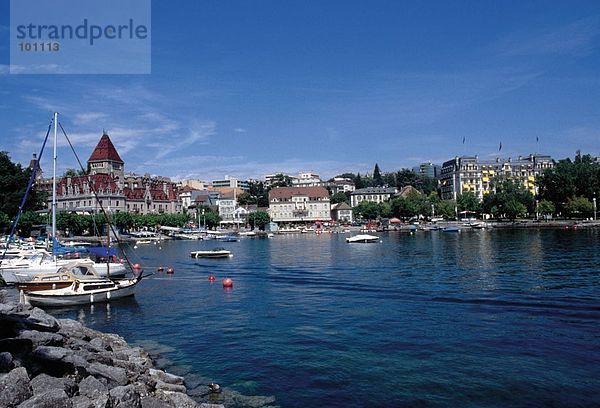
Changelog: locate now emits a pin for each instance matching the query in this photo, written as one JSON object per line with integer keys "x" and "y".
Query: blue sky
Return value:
{"x": 246, "y": 88}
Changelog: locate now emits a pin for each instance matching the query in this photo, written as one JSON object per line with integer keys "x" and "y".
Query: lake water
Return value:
{"x": 479, "y": 318}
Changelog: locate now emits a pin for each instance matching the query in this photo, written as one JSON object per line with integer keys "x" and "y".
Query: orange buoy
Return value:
{"x": 227, "y": 283}
{"x": 211, "y": 278}
{"x": 160, "y": 269}
{"x": 170, "y": 270}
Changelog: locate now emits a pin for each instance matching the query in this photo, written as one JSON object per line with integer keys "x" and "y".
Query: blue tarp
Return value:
{"x": 102, "y": 251}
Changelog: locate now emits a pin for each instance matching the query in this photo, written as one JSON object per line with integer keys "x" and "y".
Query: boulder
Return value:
{"x": 44, "y": 383}
{"x": 166, "y": 377}
{"x": 115, "y": 375}
{"x": 91, "y": 387}
{"x": 42, "y": 321}
{"x": 42, "y": 338}
{"x": 16, "y": 346}
{"x": 152, "y": 402}
{"x": 14, "y": 387}
{"x": 49, "y": 399}
{"x": 170, "y": 387}
{"x": 6, "y": 362}
{"x": 125, "y": 397}
{"x": 177, "y": 399}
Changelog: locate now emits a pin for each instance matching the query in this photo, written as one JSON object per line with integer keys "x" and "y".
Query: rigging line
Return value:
{"x": 27, "y": 190}
{"x": 95, "y": 194}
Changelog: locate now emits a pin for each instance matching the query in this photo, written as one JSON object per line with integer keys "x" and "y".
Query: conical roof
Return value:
{"x": 105, "y": 150}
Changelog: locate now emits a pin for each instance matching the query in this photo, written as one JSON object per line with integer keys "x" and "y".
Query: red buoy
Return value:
{"x": 160, "y": 269}
{"x": 137, "y": 266}
{"x": 211, "y": 278}
{"x": 170, "y": 270}
{"x": 227, "y": 283}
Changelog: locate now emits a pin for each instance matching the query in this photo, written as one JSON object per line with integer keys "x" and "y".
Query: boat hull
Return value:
{"x": 102, "y": 296}
{"x": 17, "y": 275}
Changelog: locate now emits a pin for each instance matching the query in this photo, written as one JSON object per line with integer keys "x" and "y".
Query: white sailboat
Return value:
{"x": 26, "y": 265}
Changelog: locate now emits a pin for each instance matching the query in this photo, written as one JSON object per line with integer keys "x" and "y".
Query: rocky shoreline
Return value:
{"x": 54, "y": 363}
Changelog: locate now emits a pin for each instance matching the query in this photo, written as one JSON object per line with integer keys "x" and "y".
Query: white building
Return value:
{"x": 299, "y": 204}
{"x": 372, "y": 194}
{"x": 341, "y": 212}
{"x": 307, "y": 179}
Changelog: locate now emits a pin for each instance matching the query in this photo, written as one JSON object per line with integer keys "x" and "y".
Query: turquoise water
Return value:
{"x": 480, "y": 318}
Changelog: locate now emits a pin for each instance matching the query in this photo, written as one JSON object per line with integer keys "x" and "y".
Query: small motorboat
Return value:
{"x": 451, "y": 228}
{"x": 227, "y": 238}
{"x": 363, "y": 238}
{"x": 75, "y": 284}
{"x": 213, "y": 253}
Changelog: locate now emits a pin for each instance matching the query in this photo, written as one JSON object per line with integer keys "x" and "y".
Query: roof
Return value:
{"x": 286, "y": 193}
{"x": 375, "y": 190}
{"x": 105, "y": 150}
{"x": 97, "y": 181}
{"x": 406, "y": 191}
{"x": 340, "y": 206}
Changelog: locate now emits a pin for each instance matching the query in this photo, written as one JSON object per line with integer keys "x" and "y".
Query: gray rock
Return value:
{"x": 42, "y": 338}
{"x": 6, "y": 361}
{"x": 44, "y": 383}
{"x": 79, "y": 401}
{"x": 166, "y": 377}
{"x": 98, "y": 344}
{"x": 91, "y": 387}
{"x": 51, "y": 353}
{"x": 14, "y": 388}
{"x": 125, "y": 397}
{"x": 152, "y": 402}
{"x": 170, "y": 387}
{"x": 49, "y": 399}
{"x": 177, "y": 399}
{"x": 42, "y": 321}
{"x": 16, "y": 346}
{"x": 115, "y": 375}
{"x": 206, "y": 405}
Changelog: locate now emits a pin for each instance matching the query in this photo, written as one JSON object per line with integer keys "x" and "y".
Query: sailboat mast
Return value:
{"x": 54, "y": 241}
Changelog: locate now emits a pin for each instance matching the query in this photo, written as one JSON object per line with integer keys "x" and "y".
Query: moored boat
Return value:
{"x": 84, "y": 287}
{"x": 212, "y": 253}
{"x": 363, "y": 238}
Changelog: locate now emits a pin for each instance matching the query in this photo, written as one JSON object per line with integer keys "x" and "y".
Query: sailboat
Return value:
{"x": 84, "y": 288}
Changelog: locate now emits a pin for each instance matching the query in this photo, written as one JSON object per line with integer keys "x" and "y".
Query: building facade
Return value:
{"x": 469, "y": 174}
{"x": 114, "y": 191}
{"x": 428, "y": 169}
{"x": 231, "y": 182}
{"x": 299, "y": 205}
{"x": 341, "y": 212}
{"x": 372, "y": 194}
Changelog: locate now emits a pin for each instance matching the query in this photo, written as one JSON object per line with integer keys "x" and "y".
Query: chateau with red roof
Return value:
{"x": 115, "y": 190}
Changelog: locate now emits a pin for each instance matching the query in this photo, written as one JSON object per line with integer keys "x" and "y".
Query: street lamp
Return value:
{"x": 594, "y": 202}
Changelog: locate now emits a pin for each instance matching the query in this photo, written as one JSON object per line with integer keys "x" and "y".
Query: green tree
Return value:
{"x": 339, "y": 197}
{"x": 28, "y": 221}
{"x": 446, "y": 209}
{"x": 377, "y": 178}
{"x": 366, "y": 210}
{"x": 259, "y": 219}
{"x": 124, "y": 221}
{"x": 579, "y": 207}
{"x": 510, "y": 200}
{"x": 468, "y": 202}
{"x": 5, "y": 222}
{"x": 212, "y": 219}
{"x": 281, "y": 180}
{"x": 13, "y": 183}
{"x": 546, "y": 208}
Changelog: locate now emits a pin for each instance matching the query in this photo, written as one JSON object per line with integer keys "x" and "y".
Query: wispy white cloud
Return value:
{"x": 85, "y": 118}
{"x": 577, "y": 38}
{"x": 239, "y": 130}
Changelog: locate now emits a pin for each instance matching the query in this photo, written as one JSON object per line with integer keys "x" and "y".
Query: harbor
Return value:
{"x": 413, "y": 314}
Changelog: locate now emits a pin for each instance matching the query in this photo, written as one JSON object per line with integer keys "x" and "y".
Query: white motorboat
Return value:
{"x": 213, "y": 253}
{"x": 363, "y": 238}
{"x": 25, "y": 267}
{"x": 85, "y": 287}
